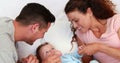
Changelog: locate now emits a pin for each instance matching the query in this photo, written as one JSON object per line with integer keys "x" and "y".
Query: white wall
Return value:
{"x": 59, "y": 33}
{"x": 117, "y": 4}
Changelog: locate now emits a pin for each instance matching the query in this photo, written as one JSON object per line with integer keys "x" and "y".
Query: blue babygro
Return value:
{"x": 74, "y": 58}
{"x": 71, "y": 58}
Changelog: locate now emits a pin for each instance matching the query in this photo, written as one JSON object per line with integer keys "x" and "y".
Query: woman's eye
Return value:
{"x": 53, "y": 48}
{"x": 76, "y": 21}
{"x": 47, "y": 52}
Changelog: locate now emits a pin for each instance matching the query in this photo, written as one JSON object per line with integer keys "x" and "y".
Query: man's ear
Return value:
{"x": 35, "y": 27}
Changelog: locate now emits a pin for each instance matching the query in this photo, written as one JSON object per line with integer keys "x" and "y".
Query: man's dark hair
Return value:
{"x": 35, "y": 13}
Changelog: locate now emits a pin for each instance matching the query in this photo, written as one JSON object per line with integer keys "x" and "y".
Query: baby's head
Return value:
{"x": 44, "y": 50}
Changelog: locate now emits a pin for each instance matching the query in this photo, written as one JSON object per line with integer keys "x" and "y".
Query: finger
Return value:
{"x": 59, "y": 62}
{"x": 24, "y": 60}
{"x": 30, "y": 59}
{"x": 81, "y": 50}
{"x": 81, "y": 47}
{"x": 37, "y": 61}
{"x": 58, "y": 59}
{"x": 34, "y": 59}
{"x": 51, "y": 53}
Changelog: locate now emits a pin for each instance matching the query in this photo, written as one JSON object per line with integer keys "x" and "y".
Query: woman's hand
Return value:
{"x": 89, "y": 49}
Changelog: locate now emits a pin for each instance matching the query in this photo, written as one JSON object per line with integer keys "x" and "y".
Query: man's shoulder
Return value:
{"x": 6, "y": 25}
{"x": 3, "y": 19}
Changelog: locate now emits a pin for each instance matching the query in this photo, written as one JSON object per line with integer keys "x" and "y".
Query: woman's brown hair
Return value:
{"x": 102, "y": 9}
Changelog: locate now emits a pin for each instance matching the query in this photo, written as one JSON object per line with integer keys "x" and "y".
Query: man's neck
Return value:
{"x": 19, "y": 31}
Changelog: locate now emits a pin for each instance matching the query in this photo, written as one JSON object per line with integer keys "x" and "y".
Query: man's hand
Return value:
{"x": 30, "y": 59}
{"x": 52, "y": 58}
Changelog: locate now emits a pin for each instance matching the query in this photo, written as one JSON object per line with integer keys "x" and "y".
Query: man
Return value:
{"x": 31, "y": 24}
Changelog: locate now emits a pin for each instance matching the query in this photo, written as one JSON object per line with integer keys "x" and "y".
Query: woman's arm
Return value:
{"x": 111, "y": 51}
{"x": 85, "y": 58}
{"x": 93, "y": 48}
{"x": 115, "y": 52}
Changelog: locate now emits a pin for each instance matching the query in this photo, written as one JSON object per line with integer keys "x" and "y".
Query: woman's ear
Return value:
{"x": 89, "y": 11}
{"x": 35, "y": 28}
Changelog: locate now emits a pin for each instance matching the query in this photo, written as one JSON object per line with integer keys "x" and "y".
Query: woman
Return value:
{"x": 97, "y": 25}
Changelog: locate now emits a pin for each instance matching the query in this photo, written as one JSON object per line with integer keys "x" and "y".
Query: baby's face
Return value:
{"x": 47, "y": 50}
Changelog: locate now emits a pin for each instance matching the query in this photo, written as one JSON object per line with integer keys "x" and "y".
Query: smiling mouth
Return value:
{"x": 79, "y": 28}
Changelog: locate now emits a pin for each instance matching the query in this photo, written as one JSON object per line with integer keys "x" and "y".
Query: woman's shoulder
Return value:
{"x": 115, "y": 21}
{"x": 116, "y": 16}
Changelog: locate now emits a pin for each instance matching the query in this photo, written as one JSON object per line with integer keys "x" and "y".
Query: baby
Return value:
{"x": 45, "y": 49}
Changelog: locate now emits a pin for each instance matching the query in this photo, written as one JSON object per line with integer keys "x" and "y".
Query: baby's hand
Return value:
{"x": 89, "y": 49}
{"x": 81, "y": 47}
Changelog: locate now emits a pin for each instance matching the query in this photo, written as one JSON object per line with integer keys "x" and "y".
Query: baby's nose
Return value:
{"x": 52, "y": 51}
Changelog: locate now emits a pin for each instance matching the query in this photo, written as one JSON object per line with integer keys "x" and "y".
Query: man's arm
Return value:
{"x": 30, "y": 59}
{"x": 7, "y": 49}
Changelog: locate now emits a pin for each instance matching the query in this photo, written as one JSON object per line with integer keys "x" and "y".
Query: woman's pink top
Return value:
{"x": 110, "y": 37}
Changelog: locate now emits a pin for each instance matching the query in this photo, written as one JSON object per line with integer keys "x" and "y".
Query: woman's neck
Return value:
{"x": 99, "y": 27}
